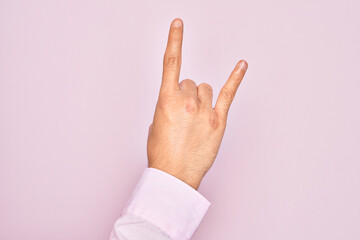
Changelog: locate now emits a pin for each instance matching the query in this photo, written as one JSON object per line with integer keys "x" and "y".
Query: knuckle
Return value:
{"x": 190, "y": 100}
{"x": 172, "y": 60}
{"x": 214, "y": 121}
{"x": 227, "y": 94}
{"x": 206, "y": 87}
{"x": 163, "y": 103}
{"x": 187, "y": 84}
{"x": 187, "y": 81}
{"x": 191, "y": 104}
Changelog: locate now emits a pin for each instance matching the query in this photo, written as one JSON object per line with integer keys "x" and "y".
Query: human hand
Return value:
{"x": 187, "y": 131}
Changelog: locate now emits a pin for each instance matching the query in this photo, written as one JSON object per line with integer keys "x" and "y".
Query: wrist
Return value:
{"x": 193, "y": 179}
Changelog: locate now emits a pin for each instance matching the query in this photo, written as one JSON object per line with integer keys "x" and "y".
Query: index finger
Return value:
{"x": 172, "y": 57}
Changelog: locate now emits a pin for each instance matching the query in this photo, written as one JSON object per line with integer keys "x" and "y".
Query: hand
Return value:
{"x": 186, "y": 132}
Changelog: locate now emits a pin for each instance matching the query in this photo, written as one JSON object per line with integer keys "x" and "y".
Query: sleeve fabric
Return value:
{"x": 160, "y": 207}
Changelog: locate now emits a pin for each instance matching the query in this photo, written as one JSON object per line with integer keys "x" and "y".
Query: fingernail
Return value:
{"x": 177, "y": 23}
{"x": 242, "y": 65}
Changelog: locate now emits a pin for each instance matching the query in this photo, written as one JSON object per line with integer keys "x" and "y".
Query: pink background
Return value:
{"x": 78, "y": 87}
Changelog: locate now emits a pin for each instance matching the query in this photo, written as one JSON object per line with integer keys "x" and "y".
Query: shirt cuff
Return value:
{"x": 169, "y": 203}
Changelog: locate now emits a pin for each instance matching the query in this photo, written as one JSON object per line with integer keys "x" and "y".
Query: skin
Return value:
{"x": 186, "y": 132}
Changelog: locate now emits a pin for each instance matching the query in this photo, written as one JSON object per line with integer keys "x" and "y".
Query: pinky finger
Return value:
{"x": 228, "y": 91}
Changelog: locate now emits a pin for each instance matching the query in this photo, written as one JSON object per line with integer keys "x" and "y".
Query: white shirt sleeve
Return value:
{"x": 131, "y": 227}
{"x": 161, "y": 207}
